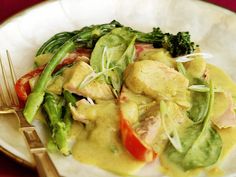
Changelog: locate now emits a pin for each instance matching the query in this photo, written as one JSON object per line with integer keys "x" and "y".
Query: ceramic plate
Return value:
{"x": 212, "y": 27}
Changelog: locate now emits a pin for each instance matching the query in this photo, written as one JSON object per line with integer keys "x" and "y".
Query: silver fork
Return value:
{"x": 10, "y": 104}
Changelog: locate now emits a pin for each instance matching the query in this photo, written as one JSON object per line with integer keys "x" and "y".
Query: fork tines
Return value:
{"x": 7, "y": 91}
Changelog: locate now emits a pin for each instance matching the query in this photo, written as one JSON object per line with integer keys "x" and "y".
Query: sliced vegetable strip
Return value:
{"x": 35, "y": 99}
{"x": 22, "y": 86}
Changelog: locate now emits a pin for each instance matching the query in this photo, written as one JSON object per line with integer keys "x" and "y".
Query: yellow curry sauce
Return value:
{"x": 102, "y": 146}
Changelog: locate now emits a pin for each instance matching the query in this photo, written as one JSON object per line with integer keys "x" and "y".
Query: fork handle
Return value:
{"x": 44, "y": 164}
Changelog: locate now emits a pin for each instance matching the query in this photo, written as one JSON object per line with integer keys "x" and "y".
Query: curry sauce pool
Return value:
{"x": 102, "y": 146}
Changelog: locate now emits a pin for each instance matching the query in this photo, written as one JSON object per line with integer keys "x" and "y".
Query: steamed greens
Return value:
{"x": 114, "y": 50}
{"x": 201, "y": 143}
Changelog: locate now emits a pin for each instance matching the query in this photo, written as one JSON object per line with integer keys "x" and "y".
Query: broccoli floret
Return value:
{"x": 179, "y": 44}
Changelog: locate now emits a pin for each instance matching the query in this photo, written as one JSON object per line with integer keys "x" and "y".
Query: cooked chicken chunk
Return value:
{"x": 158, "y": 81}
{"x": 95, "y": 90}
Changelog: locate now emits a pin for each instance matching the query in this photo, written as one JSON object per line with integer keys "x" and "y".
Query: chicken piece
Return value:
{"x": 158, "y": 81}
{"x": 95, "y": 90}
{"x": 223, "y": 115}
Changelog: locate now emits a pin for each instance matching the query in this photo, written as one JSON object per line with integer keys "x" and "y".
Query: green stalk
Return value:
{"x": 35, "y": 99}
{"x": 70, "y": 99}
{"x": 53, "y": 107}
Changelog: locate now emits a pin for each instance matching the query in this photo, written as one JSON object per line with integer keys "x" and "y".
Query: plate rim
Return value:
{"x": 9, "y": 154}
{"x": 17, "y": 159}
{"x": 218, "y": 6}
{"x": 21, "y": 12}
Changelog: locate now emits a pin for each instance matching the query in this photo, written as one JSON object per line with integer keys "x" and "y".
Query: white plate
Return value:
{"x": 212, "y": 27}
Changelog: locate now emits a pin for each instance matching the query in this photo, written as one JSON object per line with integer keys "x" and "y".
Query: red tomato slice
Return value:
{"x": 22, "y": 86}
{"x": 133, "y": 143}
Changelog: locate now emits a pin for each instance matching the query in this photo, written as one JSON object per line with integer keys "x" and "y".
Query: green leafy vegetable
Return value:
{"x": 114, "y": 50}
{"x": 199, "y": 107}
{"x": 201, "y": 143}
{"x": 200, "y": 100}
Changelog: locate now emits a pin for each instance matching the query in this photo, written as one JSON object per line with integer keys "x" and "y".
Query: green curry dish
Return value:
{"x": 201, "y": 143}
{"x": 114, "y": 50}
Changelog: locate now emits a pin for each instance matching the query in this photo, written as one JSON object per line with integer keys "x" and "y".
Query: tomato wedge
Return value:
{"x": 133, "y": 143}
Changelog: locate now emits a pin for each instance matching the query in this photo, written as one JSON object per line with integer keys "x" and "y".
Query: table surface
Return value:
{"x": 8, "y": 167}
